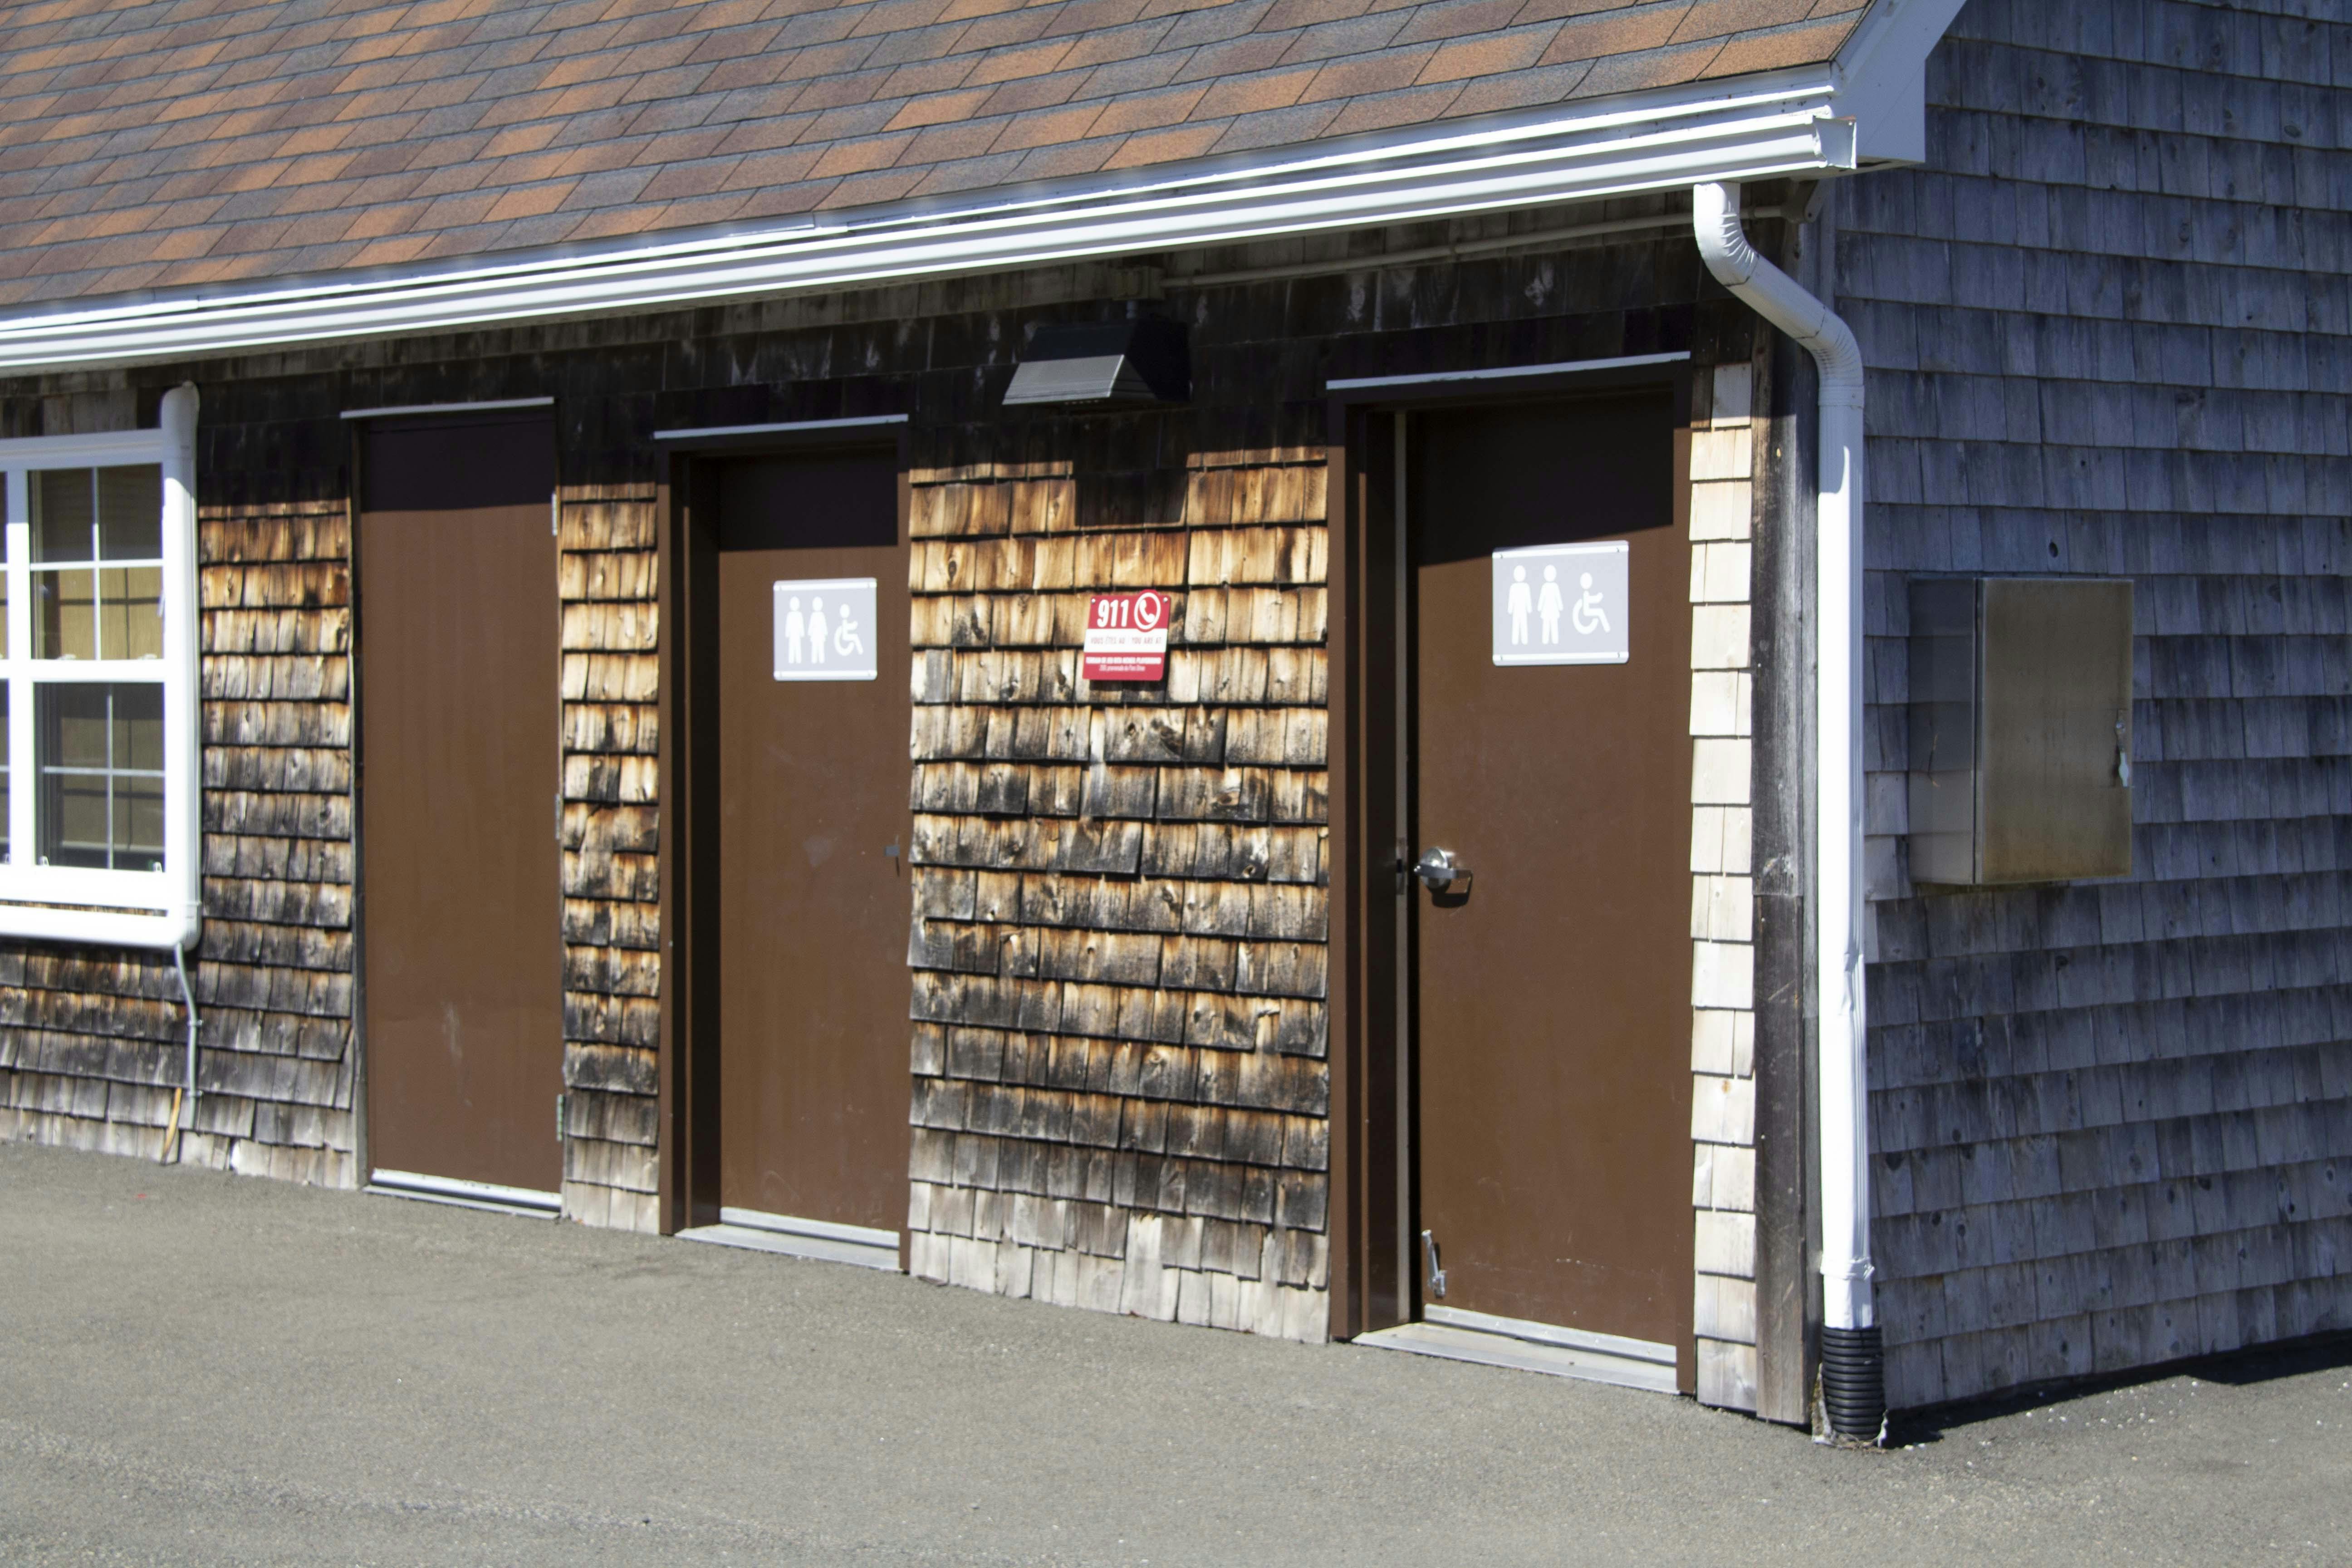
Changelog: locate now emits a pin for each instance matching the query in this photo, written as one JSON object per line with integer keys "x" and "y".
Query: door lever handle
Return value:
{"x": 1439, "y": 870}
{"x": 1436, "y": 1275}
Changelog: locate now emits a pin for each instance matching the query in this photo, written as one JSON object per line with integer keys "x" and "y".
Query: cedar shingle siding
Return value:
{"x": 1119, "y": 1034}
{"x": 95, "y": 1040}
{"x": 1122, "y": 1095}
{"x": 606, "y": 574}
{"x": 2108, "y": 333}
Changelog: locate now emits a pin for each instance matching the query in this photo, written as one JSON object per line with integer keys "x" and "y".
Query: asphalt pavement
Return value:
{"x": 197, "y": 1369}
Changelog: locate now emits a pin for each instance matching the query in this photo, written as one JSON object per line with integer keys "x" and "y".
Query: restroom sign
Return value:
{"x": 824, "y": 629}
{"x": 1563, "y": 603}
{"x": 1126, "y": 637}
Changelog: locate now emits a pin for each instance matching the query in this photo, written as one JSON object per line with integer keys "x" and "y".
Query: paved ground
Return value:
{"x": 207, "y": 1369}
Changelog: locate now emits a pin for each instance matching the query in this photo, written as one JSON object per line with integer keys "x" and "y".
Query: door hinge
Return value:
{"x": 1436, "y": 1275}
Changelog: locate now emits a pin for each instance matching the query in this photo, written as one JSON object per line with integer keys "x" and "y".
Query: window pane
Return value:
{"x": 139, "y": 729}
{"x": 101, "y": 779}
{"x": 62, "y": 515}
{"x": 131, "y": 611}
{"x": 139, "y": 823}
{"x": 4, "y": 771}
{"x": 131, "y": 514}
{"x": 65, "y": 621}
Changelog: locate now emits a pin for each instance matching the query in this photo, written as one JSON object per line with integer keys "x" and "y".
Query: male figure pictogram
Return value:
{"x": 1517, "y": 604}
{"x": 795, "y": 626}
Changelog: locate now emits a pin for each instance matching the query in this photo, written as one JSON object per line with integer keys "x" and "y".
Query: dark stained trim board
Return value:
{"x": 690, "y": 1077}
{"x": 1372, "y": 1271}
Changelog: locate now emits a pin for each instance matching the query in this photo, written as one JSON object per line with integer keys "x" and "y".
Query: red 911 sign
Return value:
{"x": 1126, "y": 637}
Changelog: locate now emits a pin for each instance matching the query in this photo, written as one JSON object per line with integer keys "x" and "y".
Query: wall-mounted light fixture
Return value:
{"x": 1138, "y": 361}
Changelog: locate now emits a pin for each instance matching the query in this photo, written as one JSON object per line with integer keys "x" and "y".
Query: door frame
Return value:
{"x": 1374, "y": 1199}
{"x": 686, "y": 779}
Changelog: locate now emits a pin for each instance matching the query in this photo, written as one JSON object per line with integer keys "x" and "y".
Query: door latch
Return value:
{"x": 1436, "y": 1275}
{"x": 1439, "y": 870}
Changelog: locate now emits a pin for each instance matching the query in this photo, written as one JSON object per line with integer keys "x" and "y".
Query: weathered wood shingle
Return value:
{"x": 1107, "y": 1048}
{"x": 607, "y": 576}
{"x": 94, "y": 1040}
{"x": 2107, "y": 334}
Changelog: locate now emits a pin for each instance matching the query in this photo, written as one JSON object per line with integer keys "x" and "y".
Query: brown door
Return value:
{"x": 1552, "y": 1022}
{"x": 813, "y": 819}
{"x": 459, "y": 881}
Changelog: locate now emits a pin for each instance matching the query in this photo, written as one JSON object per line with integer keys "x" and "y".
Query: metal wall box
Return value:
{"x": 2020, "y": 728}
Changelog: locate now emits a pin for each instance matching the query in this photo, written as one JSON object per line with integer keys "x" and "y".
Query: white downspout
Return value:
{"x": 184, "y": 784}
{"x": 1844, "y": 1078}
{"x": 184, "y": 648}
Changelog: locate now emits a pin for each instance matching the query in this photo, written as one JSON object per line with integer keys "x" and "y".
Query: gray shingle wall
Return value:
{"x": 2107, "y": 332}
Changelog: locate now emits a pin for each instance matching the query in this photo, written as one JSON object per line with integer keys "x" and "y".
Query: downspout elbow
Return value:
{"x": 1724, "y": 245}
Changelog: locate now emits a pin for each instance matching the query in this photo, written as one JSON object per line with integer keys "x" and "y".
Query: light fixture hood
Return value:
{"x": 1140, "y": 360}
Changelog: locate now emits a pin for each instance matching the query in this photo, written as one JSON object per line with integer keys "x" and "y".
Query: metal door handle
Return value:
{"x": 1436, "y": 1275}
{"x": 1438, "y": 870}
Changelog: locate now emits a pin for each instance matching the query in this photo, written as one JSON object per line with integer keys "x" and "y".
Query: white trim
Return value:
{"x": 1519, "y": 1353}
{"x": 448, "y": 407}
{"x": 1457, "y": 251}
{"x": 1754, "y": 129}
{"x": 1882, "y": 76}
{"x": 828, "y": 1230}
{"x": 131, "y": 909}
{"x": 827, "y": 1241}
{"x": 527, "y": 1202}
{"x": 1553, "y": 1334}
{"x": 1505, "y": 372}
{"x": 713, "y": 432}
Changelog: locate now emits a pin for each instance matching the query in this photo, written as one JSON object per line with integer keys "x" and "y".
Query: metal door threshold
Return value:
{"x": 818, "y": 1238}
{"x": 488, "y": 1197}
{"x": 1523, "y": 1346}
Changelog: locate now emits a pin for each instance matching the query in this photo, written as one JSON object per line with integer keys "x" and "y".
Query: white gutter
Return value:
{"x": 1844, "y": 1077}
{"x": 1659, "y": 141}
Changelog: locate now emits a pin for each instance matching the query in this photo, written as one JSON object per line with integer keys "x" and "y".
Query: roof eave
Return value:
{"x": 1881, "y": 78}
{"x": 1781, "y": 123}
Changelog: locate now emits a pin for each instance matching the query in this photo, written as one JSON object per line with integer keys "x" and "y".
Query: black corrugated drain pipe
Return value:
{"x": 1853, "y": 1382}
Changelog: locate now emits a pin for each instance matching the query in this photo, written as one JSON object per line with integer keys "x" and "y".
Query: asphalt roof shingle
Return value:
{"x": 187, "y": 142}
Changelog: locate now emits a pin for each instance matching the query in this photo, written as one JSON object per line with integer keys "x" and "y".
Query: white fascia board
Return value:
{"x": 1751, "y": 129}
{"x": 1882, "y": 77}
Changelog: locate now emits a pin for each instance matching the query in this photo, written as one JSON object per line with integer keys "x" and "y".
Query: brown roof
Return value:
{"x": 192, "y": 141}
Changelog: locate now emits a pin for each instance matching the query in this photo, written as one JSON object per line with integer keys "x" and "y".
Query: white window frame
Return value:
{"x": 72, "y": 903}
